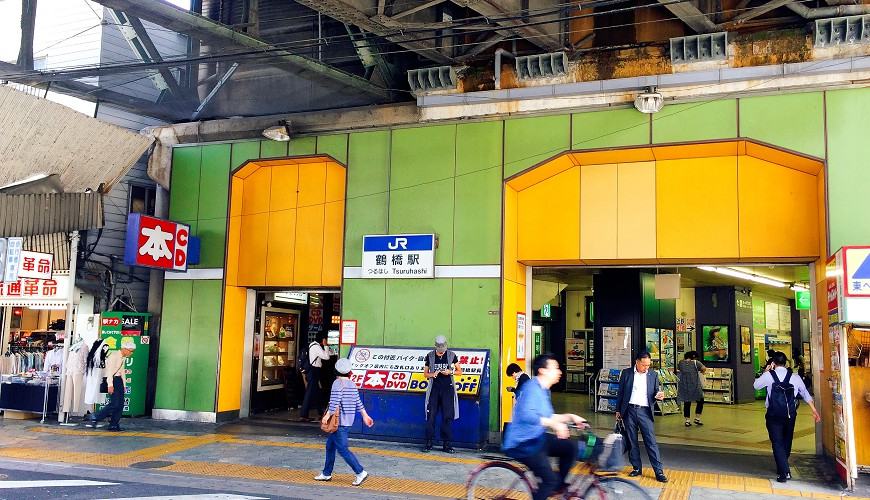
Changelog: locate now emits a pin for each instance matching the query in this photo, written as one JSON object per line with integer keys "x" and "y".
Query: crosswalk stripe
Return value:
{"x": 8, "y": 485}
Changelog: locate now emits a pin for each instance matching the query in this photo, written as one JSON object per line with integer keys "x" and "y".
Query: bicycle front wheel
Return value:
{"x": 616, "y": 488}
{"x": 498, "y": 481}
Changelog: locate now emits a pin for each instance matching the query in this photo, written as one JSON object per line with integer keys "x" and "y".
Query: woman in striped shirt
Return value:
{"x": 346, "y": 396}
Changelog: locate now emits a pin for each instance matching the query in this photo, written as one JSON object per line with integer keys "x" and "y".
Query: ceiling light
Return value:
{"x": 799, "y": 288}
{"x": 727, "y": 271}
{"x": 279, "y": 132}
{"x": 650, "y": 101}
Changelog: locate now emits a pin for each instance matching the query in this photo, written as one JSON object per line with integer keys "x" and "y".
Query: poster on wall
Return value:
{"x": 521, "y": 336}
{"x": 617, "y": 347}
{"x": 715, "y": 341}
{"x": 668, "y": 356}
{"x": 771, "y": 316}
{"x": 575, "y": 351}
{"x": 784, "y": 318}
{"x": 745, "y": 345}
{"x": 652, "y": 342}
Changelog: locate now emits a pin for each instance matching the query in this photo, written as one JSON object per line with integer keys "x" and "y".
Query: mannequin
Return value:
{"x": 94, "y": 364}
{"x": 74, "y": 378}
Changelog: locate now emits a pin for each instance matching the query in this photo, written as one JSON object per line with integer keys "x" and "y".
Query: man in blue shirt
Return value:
{"x": 526, "y": 438}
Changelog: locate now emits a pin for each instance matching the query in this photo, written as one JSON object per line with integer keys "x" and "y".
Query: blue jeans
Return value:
{"x": 337, "y": 441}
{"x": 115, "y": 406}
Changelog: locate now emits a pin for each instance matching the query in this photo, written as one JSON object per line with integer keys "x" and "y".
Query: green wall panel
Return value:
{"x": 334, "y": 146}
{"x": 848, "y": 175}
{"x": 184, "y": 186}
{"x": 529, "y": 141}
{"x": 212, "y": 235}
{"x": 478, "y": 146}
{"x": 244, "y": 151}
{"x": 203, "y": 348}
{"x": 477, "y": 221}
{"x": 474, "y": 327}
{"x": 609, "y": 129}
{"x": 423, "y": 154}
{"x": 365, "y": 215}
{"x": 273, "y": 149}
{"x": 695, "y": 121}
{"x": 214, "y": 181}
{"x": 174, "y": 343}
{"x": 791, "y": 121}
{"x": 364, "y": 300}
{"x": 417, "y": 311}
{"x": 368, "y": 170}
{"x": 427, "y": 208}
{"x": 302, "y": 146}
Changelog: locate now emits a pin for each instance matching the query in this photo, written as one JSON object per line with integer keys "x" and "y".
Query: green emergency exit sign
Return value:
{"x": 545, "y": 311}
{"x": 802, "y": 300}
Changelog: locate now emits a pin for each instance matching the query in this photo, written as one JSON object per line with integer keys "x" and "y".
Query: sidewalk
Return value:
{"x": 263, "y": 451}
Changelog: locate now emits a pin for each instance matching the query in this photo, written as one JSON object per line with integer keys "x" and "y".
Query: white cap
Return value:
{"x": 342, "y": 366}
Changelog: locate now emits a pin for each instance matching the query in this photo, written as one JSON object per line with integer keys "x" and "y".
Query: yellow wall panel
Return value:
{"x": 598, "y": 202}
{"x": 312, "y": 184}
{"x": 252, "y": 250}
{"x": 548, "y": 218}
{"x": 232, "y": 349}
{"x": 282, "y": 239}
{"x": 335, "y": 180}
{"x": 696, "y": 208}
{"x": 333, "y": 243}
{"x": 233, "y": 238}
{"x": 236, "y": 196}
{"x": 514, "y": 296}
{"x": 255, "y": 197}
{"x": 553, "y": 167}
{"x": 510, "y": 234}
{"x": 308, "y": 264}
{"x": 636, "y": 211}
{"x": 284, "y": 183}
{"x": 777, "y": 222}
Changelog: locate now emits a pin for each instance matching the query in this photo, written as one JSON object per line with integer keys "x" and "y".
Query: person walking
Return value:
{"x": 639, "y": 389}
{"x": 117, "y": 386}
{"x": 690, "y": 388}
{"x": 441, "y": 365}
{"x": 515, "y": 372}
{"x": 781, "y": 402}
{"x": 344, "y": 399}
{"x": 317, "y": 354}
{"x": 527, "y": 439}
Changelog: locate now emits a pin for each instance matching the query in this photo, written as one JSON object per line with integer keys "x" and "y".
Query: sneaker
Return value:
{"x": 688, "y": 424}
{"x": 428, "y": 447}
{"x": 698, "y": 421}
{"x": 91, "y": 422}
{"x": 322, "y": 477}
{"x": 448, "y": 449}
{"x": 360, "y": 478}
{"x": 781, "y": 479}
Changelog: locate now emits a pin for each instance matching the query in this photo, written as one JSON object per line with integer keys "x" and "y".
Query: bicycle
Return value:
{"x": 488, "y": 480}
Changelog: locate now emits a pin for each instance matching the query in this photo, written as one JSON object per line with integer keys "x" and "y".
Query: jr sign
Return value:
{"x": 399, "y": 256}
{"x": 158, "y": 243}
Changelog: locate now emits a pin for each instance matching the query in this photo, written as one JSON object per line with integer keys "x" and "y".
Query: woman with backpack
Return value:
{"x": 344, "y": 399}
{"x": 782, "y": 392}
{"x": 690, "y": 388}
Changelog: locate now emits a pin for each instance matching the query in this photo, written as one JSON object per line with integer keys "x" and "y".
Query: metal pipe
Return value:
{"x": 834, "y": 11}
{"x": 498, "y": 54}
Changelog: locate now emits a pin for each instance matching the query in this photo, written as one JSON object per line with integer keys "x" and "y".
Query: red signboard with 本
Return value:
{"x": 157, "y": 243}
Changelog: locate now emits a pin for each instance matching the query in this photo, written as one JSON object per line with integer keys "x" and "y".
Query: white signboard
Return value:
{"x": 2, "y": 259}
{"x": 771, "y": 315}
{"x": 857, "y": 281}
{"x": 348, "y": 331}
{"x": 617, "y": 347}
{"x": 521, "y": 336}
{"x": 401, "y": 369}
{"x": 398, "y": 256}
{"x": 35, "y": 265}
{"x": 24, "y": 291}
{"x": 13, "y": 256}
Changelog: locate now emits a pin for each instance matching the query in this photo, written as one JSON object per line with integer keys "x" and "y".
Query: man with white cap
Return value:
{"x": 117, "y": 385}
{"x": 441, "y": 365}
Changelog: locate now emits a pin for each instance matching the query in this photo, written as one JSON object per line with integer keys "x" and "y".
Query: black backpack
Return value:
{"x": 781, "y": 401}
{"x": 305, "y": 358}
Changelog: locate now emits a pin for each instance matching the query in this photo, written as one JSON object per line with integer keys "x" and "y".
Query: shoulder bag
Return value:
{"x": 701, "y": 378}
{"x": 331, "y": 424}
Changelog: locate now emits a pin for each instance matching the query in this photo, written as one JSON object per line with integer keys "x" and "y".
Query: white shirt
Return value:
{"x": 638, "y": 390}
{"x": 317, "y": 355}
{"x": 765, "y": 381}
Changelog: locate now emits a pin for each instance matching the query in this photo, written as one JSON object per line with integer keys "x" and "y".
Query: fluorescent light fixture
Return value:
{"x": 799, "y": 288}
{"x": 734, "y": 273}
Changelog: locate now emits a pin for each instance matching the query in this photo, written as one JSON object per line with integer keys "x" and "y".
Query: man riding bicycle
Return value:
{"x": 526, "y": 439}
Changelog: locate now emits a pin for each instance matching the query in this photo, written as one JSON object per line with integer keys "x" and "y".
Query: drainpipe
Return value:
{"x": 498, "y": 54}
{"x": 834, "y": 11}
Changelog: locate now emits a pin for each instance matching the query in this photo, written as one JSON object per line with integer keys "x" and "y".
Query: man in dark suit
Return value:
{"x": 638, "y": 391}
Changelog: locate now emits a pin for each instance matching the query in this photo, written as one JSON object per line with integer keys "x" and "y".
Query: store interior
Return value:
{"x": 730, "y": 315}
{"x": 29, "y": 333}
{"x": 286, "y": 322}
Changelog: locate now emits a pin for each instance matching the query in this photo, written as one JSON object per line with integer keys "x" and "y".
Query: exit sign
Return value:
{"x": 802, "y": 300}
{"x": 545, "y": 311}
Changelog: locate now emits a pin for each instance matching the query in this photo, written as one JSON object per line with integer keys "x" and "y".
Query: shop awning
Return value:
{"x": 41, "y": 137}
{"x": 44, "y": 214}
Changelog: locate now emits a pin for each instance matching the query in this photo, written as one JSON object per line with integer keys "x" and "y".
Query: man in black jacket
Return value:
{"x": 638, "y": 391}
{"x": 515, "y": 372}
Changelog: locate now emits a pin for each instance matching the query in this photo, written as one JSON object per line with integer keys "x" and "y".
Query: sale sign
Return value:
{"x": 157, "y": 243}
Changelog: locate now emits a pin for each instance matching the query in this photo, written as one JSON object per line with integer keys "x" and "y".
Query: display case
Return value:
{"x": 718, "y": 385}
{"x": 607, "y": 390}
{"x": 669, "y": 404}
{"x": 279, "y": 331}
{"x": 579, "y": 352}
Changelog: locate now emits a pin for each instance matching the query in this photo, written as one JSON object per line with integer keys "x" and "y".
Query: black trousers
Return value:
{"x": 539, "y": 463}
{"x": 687, "y": 407}
{"x": 115, "y": 408}
{"x": 781, "y": 433}
{"x": 640, "y": 419}
{"x": 440, "y": 401}
{"x": 312, "y": 391}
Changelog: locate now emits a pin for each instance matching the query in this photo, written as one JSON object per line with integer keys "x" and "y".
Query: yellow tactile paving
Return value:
{"x": 90, "y": 433}
{"x": 756, "y": 485}
{"x": 705, "y": 480}
{"x": 160, "y": 450}
{"x": 47, "y": 454}
{"x": 732, "y": 483}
